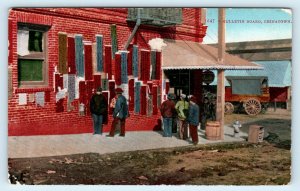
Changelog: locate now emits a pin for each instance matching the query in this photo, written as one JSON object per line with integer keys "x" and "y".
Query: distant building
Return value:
{"x": 275, "y": 57}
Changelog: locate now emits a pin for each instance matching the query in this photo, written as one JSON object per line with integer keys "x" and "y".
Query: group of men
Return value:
{"x": 187, "y": 112}
{"x": 99, "y": 109}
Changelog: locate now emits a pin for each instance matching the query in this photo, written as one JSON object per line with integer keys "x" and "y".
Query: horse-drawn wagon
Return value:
{"x": 250, "y": 94}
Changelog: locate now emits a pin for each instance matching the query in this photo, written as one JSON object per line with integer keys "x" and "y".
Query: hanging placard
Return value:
{"x": 71, "y": 87}
{"x": 114, "y": 42}
{"x": 153, "y": 64}
{"x": 79, "y": 55}
{"x": 99, "y": 53}
{"x": 124, "y": 75}
{"x": 62, "y": 53}
{"x": 137, "y": 102}
{"x": 135, "y": 61}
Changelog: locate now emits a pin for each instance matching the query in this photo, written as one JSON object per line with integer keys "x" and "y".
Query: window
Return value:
{"x": 32, "y": 55}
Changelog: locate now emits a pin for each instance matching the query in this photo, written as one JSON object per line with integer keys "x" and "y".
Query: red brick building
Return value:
{"x": 44, "y": 66}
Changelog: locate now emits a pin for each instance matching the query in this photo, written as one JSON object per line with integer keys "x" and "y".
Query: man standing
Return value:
{"x": 98, "y": 108}
{"x": 120, "y": 114}
{"x": 167, "y": 111}
{"x": 206, "y": 111}
{"x": 193, "y": 119}
{"x": 182, "y": 108}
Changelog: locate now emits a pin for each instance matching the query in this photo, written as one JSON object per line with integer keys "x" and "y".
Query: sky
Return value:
{"x": 254, "y": 26}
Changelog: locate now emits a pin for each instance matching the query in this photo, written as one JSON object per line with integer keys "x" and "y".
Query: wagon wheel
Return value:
{"x": 229, "y": 108}
{"x": 252, "y": 106}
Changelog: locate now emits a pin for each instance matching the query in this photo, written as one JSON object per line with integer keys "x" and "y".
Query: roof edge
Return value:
{"x": 214, "y": 67}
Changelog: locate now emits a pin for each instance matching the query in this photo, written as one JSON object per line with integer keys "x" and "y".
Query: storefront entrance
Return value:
{"x": 180, "y": 81}
{"x": 186, "y": 81}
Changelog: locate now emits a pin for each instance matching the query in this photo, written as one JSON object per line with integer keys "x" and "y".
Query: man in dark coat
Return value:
{"x": 120, "y": 114}
{"x": 98, "y": 108}
{"x": 193, "y": 119}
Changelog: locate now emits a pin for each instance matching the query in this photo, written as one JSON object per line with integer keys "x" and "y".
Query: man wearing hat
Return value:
{"x": 167, "y": 110}
{"x": 120, "y": 113}
{"x": 193, "y": 119}
{"x": 98, "y": 108}
{"x": 182, "y": 108}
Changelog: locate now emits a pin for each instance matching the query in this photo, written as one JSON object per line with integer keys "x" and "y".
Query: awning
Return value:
{"x": 192, "y": 55}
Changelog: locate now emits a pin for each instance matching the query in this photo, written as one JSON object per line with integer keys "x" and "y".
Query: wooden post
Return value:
{"x": 221, "y": 101}
{"x": 221, "y": 35}
{"x": 288, "y": 101}
{"x": 221, "y": 77}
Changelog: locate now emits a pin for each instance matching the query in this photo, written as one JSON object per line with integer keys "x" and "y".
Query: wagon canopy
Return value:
{"x": 179, "y": 54}
{"x": 247, "y": 85}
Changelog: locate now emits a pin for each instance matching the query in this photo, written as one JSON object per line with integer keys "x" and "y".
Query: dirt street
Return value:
{"x": 242, "y": 163}
{"x": 278, "y": 122}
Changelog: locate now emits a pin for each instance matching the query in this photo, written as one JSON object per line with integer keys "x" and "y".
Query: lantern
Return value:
{"x": 208, "y": 76}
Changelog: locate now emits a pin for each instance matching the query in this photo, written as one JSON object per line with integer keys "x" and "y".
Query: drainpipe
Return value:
{"x": 137, "y": 24}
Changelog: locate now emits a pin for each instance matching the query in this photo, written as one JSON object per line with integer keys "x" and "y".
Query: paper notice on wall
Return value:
{"x": 22, "y": 42}
{"x": 163, "y": 84}
{"x": 77, "y": 80}
{"x": 23, "y": 99}
{"x": 159, "y": 96}
{"x": 61, "y": 94}
{"x": 40, "y": 98}
{"x": 31, "y": 97}
{"x": 125, "y": 89}
{"x": 149, "y": 105}
{"x": 65, "y": 80}
{"x": 94, "y": 58}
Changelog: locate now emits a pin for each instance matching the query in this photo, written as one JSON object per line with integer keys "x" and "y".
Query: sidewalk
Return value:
{"x": 53, "y": 145}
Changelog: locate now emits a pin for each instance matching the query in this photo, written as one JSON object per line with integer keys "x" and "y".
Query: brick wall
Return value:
{"x": 31, "y": 119}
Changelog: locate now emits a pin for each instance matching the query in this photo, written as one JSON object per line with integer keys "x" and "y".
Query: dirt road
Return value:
{"x": 222, "y": 164}
{"x": 278, "y": 122}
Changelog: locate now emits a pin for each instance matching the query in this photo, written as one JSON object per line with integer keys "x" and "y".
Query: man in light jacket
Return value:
{"x": 182, "y": 106}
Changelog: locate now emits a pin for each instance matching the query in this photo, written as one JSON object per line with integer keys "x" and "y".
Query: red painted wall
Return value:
{"x": 34, "y": 120}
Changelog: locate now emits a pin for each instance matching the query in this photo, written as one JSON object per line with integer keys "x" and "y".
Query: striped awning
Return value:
{"x": 192, "y": 55}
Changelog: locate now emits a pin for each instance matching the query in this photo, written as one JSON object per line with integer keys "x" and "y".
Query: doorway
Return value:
{"x": 180, "y": 81}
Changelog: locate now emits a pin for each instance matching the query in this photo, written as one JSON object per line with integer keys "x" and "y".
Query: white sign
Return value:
{"x": 23, "y": 99}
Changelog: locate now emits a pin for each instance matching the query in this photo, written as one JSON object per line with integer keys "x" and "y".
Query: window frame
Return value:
{"x": 36, "y": 56}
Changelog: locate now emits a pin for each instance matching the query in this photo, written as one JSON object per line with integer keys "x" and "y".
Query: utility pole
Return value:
{"x": 221, "y": 77}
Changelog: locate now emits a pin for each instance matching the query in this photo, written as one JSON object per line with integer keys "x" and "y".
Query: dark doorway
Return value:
{"x": 180, "y": 81}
